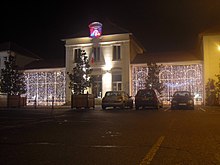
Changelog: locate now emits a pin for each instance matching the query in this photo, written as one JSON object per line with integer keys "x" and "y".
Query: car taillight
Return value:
{"x": 120, "y": 98}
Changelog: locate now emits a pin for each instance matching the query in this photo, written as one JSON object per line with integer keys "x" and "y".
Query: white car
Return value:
{"x": 117, "y": 99}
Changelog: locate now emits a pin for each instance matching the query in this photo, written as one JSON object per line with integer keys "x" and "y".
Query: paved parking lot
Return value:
{"x": 113, "y": 136}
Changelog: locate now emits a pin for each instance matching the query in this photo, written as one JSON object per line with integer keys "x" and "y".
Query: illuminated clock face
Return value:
{"x": 95, "y": 32}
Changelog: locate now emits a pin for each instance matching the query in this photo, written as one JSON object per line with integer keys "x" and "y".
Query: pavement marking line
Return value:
{"x": 150, "y": 155}
{"x": 202, "y": 109}
{"x": 166, "y": 109}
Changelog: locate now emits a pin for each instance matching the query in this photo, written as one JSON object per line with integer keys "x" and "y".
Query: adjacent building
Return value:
{"x": 23, "y": 56}
{"x": 45, "y": 79}
{"x": 182, "y": 70}
{"x": 210, "y": 46}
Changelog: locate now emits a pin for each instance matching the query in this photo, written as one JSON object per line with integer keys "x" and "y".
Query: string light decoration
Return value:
{"x": 174, "y": 77}
{"x": 45, "y": 86}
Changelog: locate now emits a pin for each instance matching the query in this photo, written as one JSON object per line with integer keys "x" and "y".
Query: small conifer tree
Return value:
{"x": 211, "y": 90}
{"x": 12, "y": 81}
{"x": 80, "y": 77}
{"x": 152, "y": 81}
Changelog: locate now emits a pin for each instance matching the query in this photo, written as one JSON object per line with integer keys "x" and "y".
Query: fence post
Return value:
{"x": 52, "y": 102}
{"x": 35, "y": 103}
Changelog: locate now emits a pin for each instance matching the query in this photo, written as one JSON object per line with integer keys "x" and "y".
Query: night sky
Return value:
{"x": 160, "y": 25}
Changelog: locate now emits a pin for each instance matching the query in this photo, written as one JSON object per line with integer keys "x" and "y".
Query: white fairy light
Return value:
{"x": 42, "y": 85}
{"x": 174, "y": 77}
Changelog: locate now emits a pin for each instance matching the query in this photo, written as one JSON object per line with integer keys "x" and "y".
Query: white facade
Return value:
{"x": 211, "y": 56}
{"x": 110, "y": 57}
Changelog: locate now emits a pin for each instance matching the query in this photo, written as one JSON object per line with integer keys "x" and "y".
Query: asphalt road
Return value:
{"x": 110, "y": 137}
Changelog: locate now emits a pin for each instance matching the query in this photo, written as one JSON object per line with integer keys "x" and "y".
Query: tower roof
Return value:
{"x": 215, "y": 30}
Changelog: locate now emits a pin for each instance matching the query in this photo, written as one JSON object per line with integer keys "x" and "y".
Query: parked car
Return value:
{"x": 182, "y": 99}
{"x": 148, "y": 98}
{"x": 117, "y": 99}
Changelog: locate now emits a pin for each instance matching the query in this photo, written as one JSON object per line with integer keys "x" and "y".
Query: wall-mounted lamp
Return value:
{"x": 108, "y": 65}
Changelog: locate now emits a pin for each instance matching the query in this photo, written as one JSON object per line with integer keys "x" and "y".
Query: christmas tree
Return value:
{"x": 152, "y": 80}
{"x": 12, "y": 81}
{"x": 80, "y": 77}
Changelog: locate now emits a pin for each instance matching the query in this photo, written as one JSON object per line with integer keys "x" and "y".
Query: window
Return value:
{"x": 97, "y": 54}
{"x": 116, "y": 53}
{"x": 77, "y": 54}
{"x": 117, "y": 86}
{"x": 2, "y": 61}
{"x": 5, "y": 58}
{"x": 117, "y": 82}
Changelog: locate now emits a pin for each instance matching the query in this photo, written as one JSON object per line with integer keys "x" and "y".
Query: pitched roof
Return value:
{"x": 10, "y": 46}
{"x": 108, "y": 27}
{"x": 45, "y": 64}
{"x": 215, "y": 30}
{"x": 166, "y": 57}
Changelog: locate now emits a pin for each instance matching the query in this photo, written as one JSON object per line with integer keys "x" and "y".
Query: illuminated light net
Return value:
{"x": 44, "y": 86}
{"x": 174, "y": 77}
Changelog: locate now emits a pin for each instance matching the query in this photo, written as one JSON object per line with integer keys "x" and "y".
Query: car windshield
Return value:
{"x": 181, "y": 93}
{"x": 145, "y": 93}
{"x": 113, "y": 93}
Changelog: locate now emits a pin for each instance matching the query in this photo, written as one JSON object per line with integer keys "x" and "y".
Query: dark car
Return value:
{"x": 182, "y": 99}
{"x": 148, "y": 98}
{"x": 117, "y": 99}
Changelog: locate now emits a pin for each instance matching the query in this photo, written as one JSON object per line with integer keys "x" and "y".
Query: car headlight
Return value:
{"x": 190, "y": 102}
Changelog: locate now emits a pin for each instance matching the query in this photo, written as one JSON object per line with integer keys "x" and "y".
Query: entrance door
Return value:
{"x": 97, "y": 86}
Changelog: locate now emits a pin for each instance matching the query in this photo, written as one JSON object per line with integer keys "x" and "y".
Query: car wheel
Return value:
{"x": 131, "y": 106}
{"x": 122, "y": 106}
{"x": 137, "y": 107}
